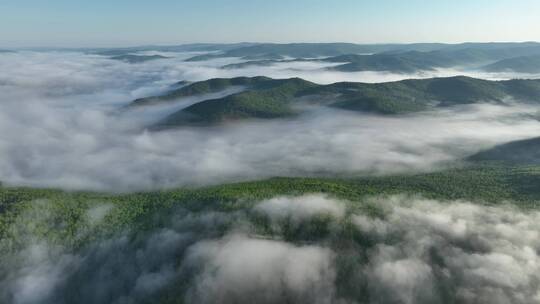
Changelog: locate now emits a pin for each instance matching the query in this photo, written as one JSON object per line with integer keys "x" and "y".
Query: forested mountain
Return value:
{"x": 266, "y": 98}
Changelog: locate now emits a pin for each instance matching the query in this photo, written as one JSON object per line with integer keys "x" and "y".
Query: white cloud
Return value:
{"x": 476, "y": 253}
{"x": 416, "y": 251}
{"x": 60, "y": 127}
{"x": 300, "y": 208}
{"x": 246, "y": 270}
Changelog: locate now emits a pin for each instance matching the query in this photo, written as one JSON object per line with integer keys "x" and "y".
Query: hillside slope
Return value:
{"x": 522, "y": 64}
{"x": 213, "y": 85}
{"x": 525, "y": 152}
{"x": 269, "y": 100}
{"x": 274, "y": 98}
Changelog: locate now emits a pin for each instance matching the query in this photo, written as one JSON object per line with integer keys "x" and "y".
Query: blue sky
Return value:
{"x": 134, "y": 22}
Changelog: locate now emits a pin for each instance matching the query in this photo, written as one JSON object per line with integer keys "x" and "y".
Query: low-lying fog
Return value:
{"x": 415, "y": 251}
{"x": 62, "y": 125}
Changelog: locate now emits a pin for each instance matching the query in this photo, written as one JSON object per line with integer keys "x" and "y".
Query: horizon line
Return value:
{"x": 172, "y": 44}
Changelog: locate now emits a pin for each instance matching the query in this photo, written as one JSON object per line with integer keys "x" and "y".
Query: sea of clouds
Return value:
{"x": 63, "y": 124}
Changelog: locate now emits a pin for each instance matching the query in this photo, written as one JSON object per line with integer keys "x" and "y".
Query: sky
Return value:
{"x": 78, "y": 23}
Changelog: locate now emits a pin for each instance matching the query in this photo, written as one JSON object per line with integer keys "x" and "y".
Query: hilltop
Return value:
{"x": 129, "y": 58}
{"x": 398, "y": 58}
{"x": 521, "y": 64}
{"x": 314, "y": 50}
{"x": 267, "y": 98}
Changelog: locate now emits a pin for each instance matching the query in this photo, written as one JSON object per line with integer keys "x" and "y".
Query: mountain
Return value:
{"x": 251, "y": 63}
{"x": 268, "y": 56}
{"x": 205, "y": 57}
{"x": 195, "y": 47}
{"x": 265, "y": 62}
{"x": 137, "y": 58}
{"x": 525, "y": 152}
{"x": 462, "y": 90}
{"x": 269, "y": 99}
{"x": 313, "y": 50}
{"x": 435, "y": 91}
{"x": 401, "y": 60}
{"x": 402, "y": 63}
{"x": 521, "y": 64}
{"x": 252, "y": 57}
{"x": 202, "y": 87}
{"x": 273, "y": 98}
{"x": 415, "y": 95}
{"x": 305, "y": 50}
{"x": 413, "y": 61}
{"x": 443, "y": 54}
{"x": 397, "y": 62}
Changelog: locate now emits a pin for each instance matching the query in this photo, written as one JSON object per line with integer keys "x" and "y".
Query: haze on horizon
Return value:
{"x": 63, "y": 23}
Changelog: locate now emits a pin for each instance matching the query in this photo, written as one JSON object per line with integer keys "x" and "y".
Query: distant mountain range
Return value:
{"x": 399, "y": 58}
{"x": 195, "y": 47}
{"x": 304, "y": 50}
{"x": 521, "y": 64}
{"x": 520, "y": 58}
{"x": 295, "y": 50}
{"x": 267, "y": 98}
{"x": 314, "y": 50}
{"x": 138, "y": 58}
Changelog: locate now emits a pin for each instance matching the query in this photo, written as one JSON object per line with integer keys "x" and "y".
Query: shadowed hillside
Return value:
{"x": 517, "y": 152}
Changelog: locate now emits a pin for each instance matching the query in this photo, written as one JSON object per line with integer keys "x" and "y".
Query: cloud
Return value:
{"x": 92, "y": 150}
{"x": 452, "y": 250}
{"x": 415, "y": 251}
{"x": 246, "y": 270}
{"x": 300, "y": 208}
{"x": 97, "y": 214}
{"x": 40, "y": 273}
{"x": 60, "y": 127}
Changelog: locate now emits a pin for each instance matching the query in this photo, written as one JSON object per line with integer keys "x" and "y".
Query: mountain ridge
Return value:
{"x": 267, "y": 98}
